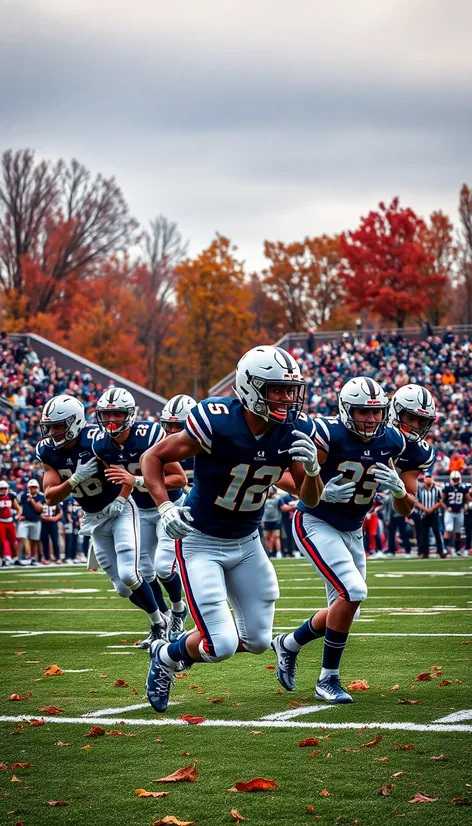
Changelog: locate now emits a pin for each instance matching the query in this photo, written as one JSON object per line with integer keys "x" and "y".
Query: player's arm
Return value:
{"x": 16, "y": 506}
{"x": 175, "y": 477}
{"x": 403, "y": 505}
{"x": 55, "y": 490}
{"x": 288, "y": 483}
{"x": 174, "y": 448}
{"x": 58, "y": 514}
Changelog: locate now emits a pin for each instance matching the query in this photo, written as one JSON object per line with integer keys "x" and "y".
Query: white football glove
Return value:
{"x": 83, "y": 471}
{"x": 174, "y": 525}
{"x": 115, "y": 507}
{"x": 389, "y": 478}
{"x": 333, "y": 492}
{"x": 304, "y": 450}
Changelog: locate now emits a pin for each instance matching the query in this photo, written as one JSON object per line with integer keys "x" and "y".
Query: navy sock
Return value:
{"x": 158, "y": 596}
{"x": 178, "y": 651}
{"x": 334, "y": 644}
{"x": 305, "y": 633}
{"x": 457, "y": 544}
{"x": 146, "y": 597}
{"x": 173, "y": 587}
{"x": 136, "y": 601}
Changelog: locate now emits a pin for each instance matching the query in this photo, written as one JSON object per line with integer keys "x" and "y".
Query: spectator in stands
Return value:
{"x": 50, "y": 516}
{"x": 287, "y": 506}
{"x": 271, "y": 523}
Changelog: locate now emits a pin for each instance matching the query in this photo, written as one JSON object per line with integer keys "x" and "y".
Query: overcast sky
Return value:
{"x": 259, "y": 119}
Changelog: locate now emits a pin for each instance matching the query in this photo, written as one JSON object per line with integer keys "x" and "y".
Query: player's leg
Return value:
{"x": 54, "y": 532}
{"x": 169, "y": 577}
{"x": 148, "y": 521}
{"x": 448, "y": 532}
{"x": 252, "y": 592}
{"x": 458, "y": 525}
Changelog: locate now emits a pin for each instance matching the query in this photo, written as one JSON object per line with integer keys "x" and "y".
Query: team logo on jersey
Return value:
{"x": 69, "y": 462}
{"x": 366, "y": 452}
{"x": 260, "y": 456}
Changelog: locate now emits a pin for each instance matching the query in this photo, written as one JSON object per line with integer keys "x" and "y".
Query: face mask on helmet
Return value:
{"x": 455, "y": 478}
{"x": 368, "y": 422}
{"x": 269, "y": 384}
{"x": 116, "y": 411}
{"x": 60, "y": 425}
{"x": 175, "y": 412}
{"x": 363, "y": 407}
{"x": 413, "y": 411}
{"x": 280, "y": 402}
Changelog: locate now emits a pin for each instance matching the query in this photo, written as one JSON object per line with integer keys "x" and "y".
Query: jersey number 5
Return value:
{"x": 254, "y": 497}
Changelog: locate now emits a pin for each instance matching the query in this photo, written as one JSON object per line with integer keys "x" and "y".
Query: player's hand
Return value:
{"x": 119, "y": 475}
{"x": 304, "y": 450}
{"x": 387, "y": 476}
{"x": 83, "y": 471}
{"x": 333, "y": 492}
{"x": 115, "y": 507}
{"x": 175, "y": 520}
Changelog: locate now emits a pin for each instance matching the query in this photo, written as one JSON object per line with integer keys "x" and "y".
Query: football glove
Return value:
{"x": 115, "y": 507}
{"x": 389, "y": 478}
{"x": 175, "y": 520}
{"x": 332, "y": 492}
{"x": 304, "y": 450}
{"x": 83, "y": 471}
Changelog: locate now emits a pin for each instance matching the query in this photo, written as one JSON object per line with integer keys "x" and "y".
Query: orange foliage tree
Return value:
{"x": 465, "y": 257}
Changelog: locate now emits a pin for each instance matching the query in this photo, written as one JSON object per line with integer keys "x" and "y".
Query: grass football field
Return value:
{"x": 402, "y": 735}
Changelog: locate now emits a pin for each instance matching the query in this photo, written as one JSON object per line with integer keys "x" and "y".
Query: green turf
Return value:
{"x": 99, "y": 783}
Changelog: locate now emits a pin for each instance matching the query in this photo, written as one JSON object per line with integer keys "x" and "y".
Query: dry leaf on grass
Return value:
{"x": 394, "y": 687}
{"x": 216, "y": 700}
{"x": 458, "y": 682}
{"x": 372, "y": 743}
{"x": 36, "y": 721}
{"x": 310, "y": 741}
{"x": 52, "y": 710}
{"x": 95, "y": 731}
{"x": 438, "y": 757}
{"x": 257, "y": 784}
{"x": 382, "y": 759}
{"x": 358, "y": 685}
{"x": 445, "y": 682}
{"x": 158, "y": 740}
{"x": 411, "y": 702}
{"x": 255, "y": 733}
{"x": 21, "y": 765}
{"x": 188, "y": 773}
{"x": 17, "y": 698}
{"x": 398, "y": 774}
{"x": 60, "y": 743}
{"x": 295, "y": 704}
{"x": 325, "y": 793}
{"x": 15, "y": 779}
{"x": 56, "y": 803}
{"x": 462, "y": 801}
{"x": 120, "y": 684}
{"x": 191, "y": 720}
{"x": 103, "y": 676}
{"x": 53, "y": 671}
{"x": 422, "y": 798}
{"x": 174, "y": 820}
{"x": 270, "y": 667}
{"x": 314, "y": 753}
{"x": 182, "y": 676}
{"x": 115, "y": 732}
{"x": 436, "y": 667}
{"x": 3, "y": 767}
{"x": 236, "y": 815}
{"x": 406, "y": 747}
{"x": 144, "y": 793}
{"x": 385, "y": 791}
{"x": 424, "y": 676}
{"x": 346, "y": 749}
{"x": 85, "y": 748}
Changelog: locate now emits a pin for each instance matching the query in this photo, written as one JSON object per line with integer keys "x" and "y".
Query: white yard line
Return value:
{"x": 276, "y": 629}
{"x": 456, "y": 717}
{"x": 252, "y": 724}
{"x": 296, "y": 712}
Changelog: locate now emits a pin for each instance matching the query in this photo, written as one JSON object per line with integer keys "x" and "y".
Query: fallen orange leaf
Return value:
{"x": 173, "y": 820}
{"x": 181, "y": 676}
{"x": 188, "y": 773}
{"x": 445, "y": 682}
{"x": 103, "y": 676}
{"x": 95, "y": 731}
{"x": 85, "y": 748}
{"x": 358, "y": 685}
{"x": 115, "y": 732}
{"x": 270, "y": 667}
{"x": 309, "y": 809}
{"x": 386, "y": 790}
{"x": 371, "y": 743}
{"x": 21, "y": 765}
{"x": 52, "y": 710}
{"x": 422, "y": 798}
{"x": 3, "y": 767}
{"x": 15, "y": 779}
{"x": 257, "y": 784}
{"x": 462, "y": 801}
{"x": 436, "y": 667}
{"x": 120, "y": 684}
{"x": 458, "y": 682}
{"x": 216, "y": 700}
{"x": 144, "y": 793}
{"x": 36, "y": 721}
{"x": 314, "y": 753}
{"x": 383, "y": 759}
{"x": 394, "y": 687}
{"x": 194, "y": 685}
{"x": 56, "y": 803}
{"x": 158, "y": 740}
{"x": 295, "y": 704}
{"x": 345, "y": 749}
{"x": 191, "y": 720}
{"x": 406, "y": 747}
{"x": 424, "y": 676}
{"x": 17, "y": 697}
{"x": 255, "y": 732}
{"x": 310, "y": 741}
{"x": 53, "y": 671}
{"x": 325, "y": 793}
{"x": 236, "y": 815}
{"x": 411, "y": 702}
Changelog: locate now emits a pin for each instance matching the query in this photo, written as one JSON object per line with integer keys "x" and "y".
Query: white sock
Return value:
{"x": 329, "y": 672}
{"x": 178, "y": 607}
{"x": 291, "y": 643}
{"x": 165, "y": 659}
{"x": 156, "y": 618}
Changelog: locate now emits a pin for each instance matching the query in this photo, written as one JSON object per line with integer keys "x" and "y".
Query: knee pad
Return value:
{"x": 258, "y": 644}
{"x": 146, "y": 569}
{"x": 358, "y": 592}
{"x": 121, "y": 589}
{"x": 131, "y": 581}
{"x": 223, "y": 651}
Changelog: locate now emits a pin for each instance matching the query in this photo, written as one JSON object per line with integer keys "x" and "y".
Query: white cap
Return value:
{"x": 33, "y": 483}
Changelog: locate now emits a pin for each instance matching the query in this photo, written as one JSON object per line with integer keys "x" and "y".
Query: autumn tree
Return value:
{"x": 303, "y": 278}
{"x": 57, "y": 224}
{"x": 213, "y": 323}
{"x": 438, "y": 241}
{"x": 465, "y": 257}
{"x": 154, "y": 284}
{"x": 389, "y": 270}
{"x": 270, "y": 322}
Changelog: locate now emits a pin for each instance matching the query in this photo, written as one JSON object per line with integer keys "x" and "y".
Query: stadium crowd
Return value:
{"x": 443, "y": 364}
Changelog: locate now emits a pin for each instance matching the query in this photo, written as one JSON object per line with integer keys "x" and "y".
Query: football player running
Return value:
{"x": 241, "y": 447}
{"x": 119, "y": 444}
{"x": 356, "y": 451}
{"x": 70, "y": 466}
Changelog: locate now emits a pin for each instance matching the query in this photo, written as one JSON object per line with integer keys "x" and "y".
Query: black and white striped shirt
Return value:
{"x": 429, "y": 498}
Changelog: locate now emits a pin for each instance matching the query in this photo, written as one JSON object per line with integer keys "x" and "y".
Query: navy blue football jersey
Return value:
{"x": 141, "y": 436}
{"x": 355, "y": 459}
{"x": 95, "y": 493}
{"x": 233, "y": 473}
{"x": 187, "y": 466}
{"x": 454, "y": 496}
{"x": 416, "y": 456}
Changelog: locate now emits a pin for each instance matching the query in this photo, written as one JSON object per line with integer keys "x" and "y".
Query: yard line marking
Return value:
{"x": 425, "y": 573}
{"x": 295, "y": 712}
{"x": 383, "y": 587}
{"x": 46, "y": 592}
{"x": 276, "y": 628}
{"x": 253, "y": 724}
{"x": 456, "y": 717}
{"x": 102, "y": 712}
{"x": 76, "y": 670}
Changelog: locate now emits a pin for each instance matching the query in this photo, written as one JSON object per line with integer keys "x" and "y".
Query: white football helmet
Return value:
{"x": 268, "y": 366}
{"x": 419, "y": 402}
{"x": 116, "y": 398}
{"x": 366, "y": 393}
{"x": 63, "y": 409}
{"x": 455, "y": 477}
{"x": 176, "y": 410}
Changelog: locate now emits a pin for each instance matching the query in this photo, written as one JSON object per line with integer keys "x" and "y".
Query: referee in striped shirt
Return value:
{"x": 428, "y": 502}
